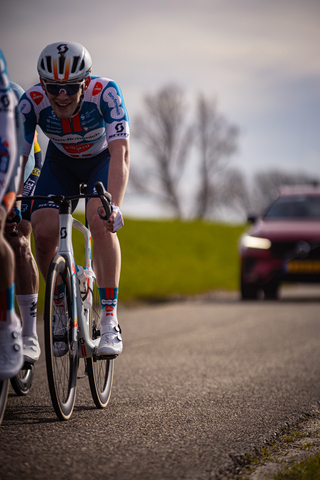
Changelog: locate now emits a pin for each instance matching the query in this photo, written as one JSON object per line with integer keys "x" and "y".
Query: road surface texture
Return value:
{"x": 201, "y": 383}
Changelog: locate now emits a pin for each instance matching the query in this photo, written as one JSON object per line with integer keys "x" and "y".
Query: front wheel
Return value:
{"x": 100, "y": 372}
{"x": 22, "y": 382}
{"x": 61, "y": 354}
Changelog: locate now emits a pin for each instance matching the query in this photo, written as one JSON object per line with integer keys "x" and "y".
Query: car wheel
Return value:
{"x": 248, "y": 292}
{"x": 271, "y": 291}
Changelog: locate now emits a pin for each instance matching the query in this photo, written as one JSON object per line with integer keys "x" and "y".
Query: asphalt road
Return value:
{"x": 200, "y": 383}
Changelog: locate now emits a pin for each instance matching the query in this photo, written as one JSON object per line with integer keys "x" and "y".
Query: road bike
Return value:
{"x": 72, "y": 314}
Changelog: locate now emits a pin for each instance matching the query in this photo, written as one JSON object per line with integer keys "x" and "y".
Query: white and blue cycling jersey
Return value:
{"x": 11, "y": 138}
{"x": 18, "y": 91}
{"x": 102, "y": 118}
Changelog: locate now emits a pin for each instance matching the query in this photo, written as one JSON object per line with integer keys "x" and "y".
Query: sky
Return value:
{"x": 258, "y": 58}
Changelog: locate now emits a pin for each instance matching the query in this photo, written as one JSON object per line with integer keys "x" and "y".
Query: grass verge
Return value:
{"x": 162, "y": 259}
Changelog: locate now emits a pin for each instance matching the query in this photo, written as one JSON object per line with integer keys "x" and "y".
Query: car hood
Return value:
{"x": 286, "y": 230}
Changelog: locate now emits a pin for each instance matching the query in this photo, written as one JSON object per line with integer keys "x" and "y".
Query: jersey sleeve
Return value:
{"x": 114, "y": 112}
{"x": 10, "y": 122}
{"x": 29, "y": 122}
{"x": 31, "y": 159}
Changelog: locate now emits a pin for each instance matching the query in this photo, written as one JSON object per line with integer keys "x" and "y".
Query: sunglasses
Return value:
{"x": 69, "y": 88}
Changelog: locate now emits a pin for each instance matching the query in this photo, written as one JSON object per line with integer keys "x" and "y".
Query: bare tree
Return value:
{"x": 235, "y": 193}
{"x": 216, "y": 140}
{"x": 166, "y": 136}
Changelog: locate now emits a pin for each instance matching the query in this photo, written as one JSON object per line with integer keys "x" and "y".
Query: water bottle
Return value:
{"x": 85, "y": 278}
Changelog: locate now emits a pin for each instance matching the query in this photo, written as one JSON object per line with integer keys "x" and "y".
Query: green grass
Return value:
{"x": 308, "y": 469}
{"x": 166, "y": 258}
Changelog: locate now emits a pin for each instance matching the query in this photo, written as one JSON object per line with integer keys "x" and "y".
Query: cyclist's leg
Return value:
{"x": 45, "y": 214}
{"x": 11, "y": 358}
{"x": 106, "y": 251}
{"x": 11, "y": 137}
{"x": 26, "y": 272}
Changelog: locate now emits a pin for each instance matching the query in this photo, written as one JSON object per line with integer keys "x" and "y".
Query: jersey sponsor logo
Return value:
{"x": 111, "y": 97}
{"x": 119, "y": 135}
{"x": 97, "y": 89}
{"x": 29, "y": 188}
{"x": 6, "y": 103}
{"x": 73, "y": 138}
{"x": 37, "y": 97}
{"x": 77, "y": 149}
{"x": 25, "y": 106}
{"x": 36, "y": 172}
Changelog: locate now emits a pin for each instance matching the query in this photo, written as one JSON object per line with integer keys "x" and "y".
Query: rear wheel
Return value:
{"x": 100, "y": 372}
{"x": 22, "y": 382}
{"x": 61, "y": 364}
{"x": 4, "y": 387}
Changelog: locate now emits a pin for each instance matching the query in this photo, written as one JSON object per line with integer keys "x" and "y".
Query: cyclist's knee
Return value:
{"x": 45, "y": 226}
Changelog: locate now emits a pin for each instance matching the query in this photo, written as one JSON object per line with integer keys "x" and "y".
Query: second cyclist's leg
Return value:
{"x": 11, "y": 358}
{"x": 26, "y": 286}
{"x": 107, "y": 264}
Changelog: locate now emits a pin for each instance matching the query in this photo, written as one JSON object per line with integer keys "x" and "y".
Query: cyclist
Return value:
{"x": 18, "y": 234}
{"x": 11, "y": 357}
{"x": 86, "y": 121}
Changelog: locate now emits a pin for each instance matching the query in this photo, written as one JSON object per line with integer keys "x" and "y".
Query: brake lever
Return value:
{"x": 105, "y": 198}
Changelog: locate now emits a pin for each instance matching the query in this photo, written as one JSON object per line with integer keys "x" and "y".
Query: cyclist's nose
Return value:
{"x": 62, "y": 95}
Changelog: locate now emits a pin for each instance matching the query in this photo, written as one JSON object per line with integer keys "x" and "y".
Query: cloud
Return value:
{"x": 257, "y": 57}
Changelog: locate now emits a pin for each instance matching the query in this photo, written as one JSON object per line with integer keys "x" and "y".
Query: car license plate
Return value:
{"x": 303, "y": 266}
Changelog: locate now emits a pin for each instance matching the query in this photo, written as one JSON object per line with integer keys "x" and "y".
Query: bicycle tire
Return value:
{"x": 22, "y": 382}
{"x": 100, "y": 372}
{"x": 61, "y": 370}
{"x": 4, "y": 387}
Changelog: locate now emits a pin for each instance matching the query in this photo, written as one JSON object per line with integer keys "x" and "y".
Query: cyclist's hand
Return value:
{"x": 13, "y": 219}
{"x": 115, "y": 221}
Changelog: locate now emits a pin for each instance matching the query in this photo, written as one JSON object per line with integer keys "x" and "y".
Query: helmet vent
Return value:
{"x": 82, "y": 66}
{"x": 75, "y": 64}
{"x": 49, "y": 65}
{"x": 62, "y": 61}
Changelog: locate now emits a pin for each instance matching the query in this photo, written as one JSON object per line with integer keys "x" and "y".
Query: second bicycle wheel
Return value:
{"x": 100, "y": 372}
{"x": 61, "y": 354}
{"x": 22, "y": 382}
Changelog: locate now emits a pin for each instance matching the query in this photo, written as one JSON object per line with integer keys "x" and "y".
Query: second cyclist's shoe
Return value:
{"x": 11, "y": 354}
{"x": 31, "y": 349}
{"x": 60, "y": 334}
{"x": 110, "y": 341}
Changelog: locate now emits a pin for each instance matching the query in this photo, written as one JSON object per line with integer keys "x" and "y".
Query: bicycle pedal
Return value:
{"x": 103, "y": 357}
{"x": 27, "y": 366}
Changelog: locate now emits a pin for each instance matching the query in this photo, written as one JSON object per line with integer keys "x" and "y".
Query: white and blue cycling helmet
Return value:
{"x": 64, "y": 62}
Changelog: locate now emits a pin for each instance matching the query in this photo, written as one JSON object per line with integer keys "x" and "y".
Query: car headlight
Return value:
{"x": 255, "y": 242}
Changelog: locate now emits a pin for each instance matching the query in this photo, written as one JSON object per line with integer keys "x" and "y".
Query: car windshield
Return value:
{"x": 297, "y": 206}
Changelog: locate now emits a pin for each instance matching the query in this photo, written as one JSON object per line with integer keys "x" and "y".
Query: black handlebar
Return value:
{"x": 104, "y": 196}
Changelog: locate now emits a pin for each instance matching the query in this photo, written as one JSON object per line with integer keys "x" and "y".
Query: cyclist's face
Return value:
{"x": 65, "y": 105}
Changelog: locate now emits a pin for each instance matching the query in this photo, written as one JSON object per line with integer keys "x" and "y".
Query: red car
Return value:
{"x": 283, "y": 245}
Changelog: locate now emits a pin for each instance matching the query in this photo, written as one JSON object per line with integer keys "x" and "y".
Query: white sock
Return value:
{"x": 28, "y": 311}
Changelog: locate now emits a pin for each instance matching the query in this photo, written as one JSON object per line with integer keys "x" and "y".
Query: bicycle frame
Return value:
{"x": 67, "y": 222}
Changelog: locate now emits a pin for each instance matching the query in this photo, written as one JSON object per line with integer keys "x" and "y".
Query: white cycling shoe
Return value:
{"x": 31, "y": 349}
{"x": 110, "y": 341}
{"x": 11, "y": 353}
{"x": 59, "y": 331}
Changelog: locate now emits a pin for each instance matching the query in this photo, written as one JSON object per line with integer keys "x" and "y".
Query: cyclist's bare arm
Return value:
{"x": 118, "y": 174}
